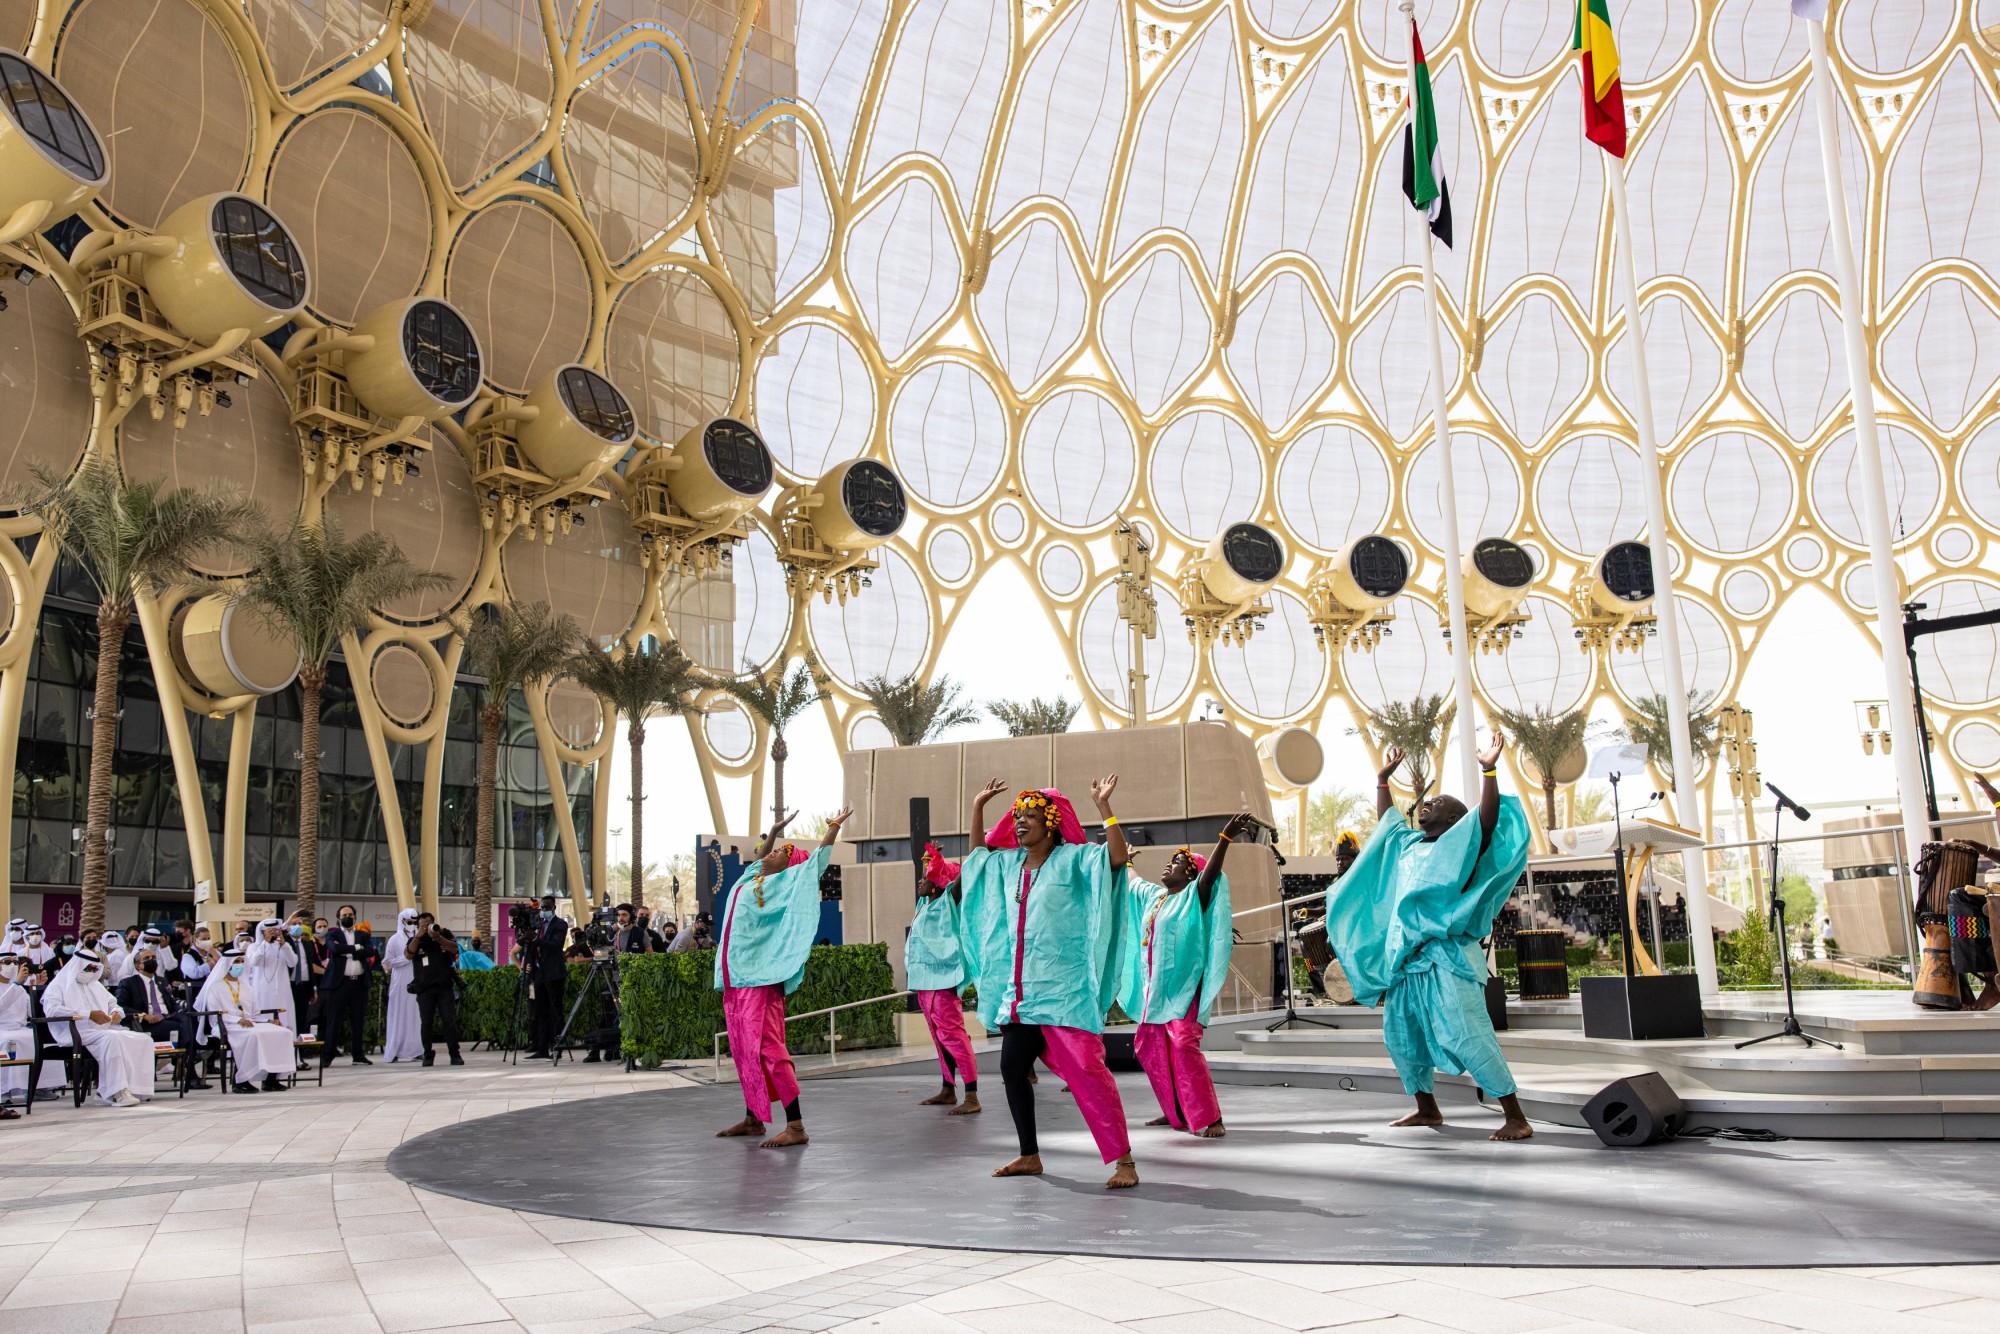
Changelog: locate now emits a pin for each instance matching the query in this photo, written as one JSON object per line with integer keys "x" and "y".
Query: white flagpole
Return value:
{"x": 1687, "y": 797}
{"x": 1868, "y": 460}
{"x": 1454, "y": 573}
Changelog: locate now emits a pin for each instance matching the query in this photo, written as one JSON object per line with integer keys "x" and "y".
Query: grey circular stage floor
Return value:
{"x": 1304, "y": 1175}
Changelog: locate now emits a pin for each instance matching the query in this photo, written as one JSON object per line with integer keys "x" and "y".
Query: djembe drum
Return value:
{"x": 1942, "y": 868}
{"x": 1544, "y": 963}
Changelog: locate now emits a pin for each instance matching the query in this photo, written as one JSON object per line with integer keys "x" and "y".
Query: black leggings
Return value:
{"x": 792, "y": 1112}
{"x": 1021, "y": 1045}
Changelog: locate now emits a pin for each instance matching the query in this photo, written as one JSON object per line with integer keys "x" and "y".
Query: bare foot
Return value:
{"x": 749, "y": 1125}
{"x": 1159, "y": 1121}
{"x": 1028, "y": 1165}
{"x": 1124, "y": 1174}
{"x": 1513, "y": 1128}
{"x": 948, "y": 1098}
{"x": 1216, "y": 1131}
{"x": 1420, "y": 1118}
{"x": 1034, "y": 1078}
{"x": 792, "y": 1135}
{"x": 970, "y": 1107}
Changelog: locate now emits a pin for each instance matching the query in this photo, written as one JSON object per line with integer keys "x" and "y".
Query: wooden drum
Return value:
{"x": 1313, "y": 944}
{"x": 1943, "y": 867}
{"x": 1937, "y": 980}
{"x": 1544, "y": 964}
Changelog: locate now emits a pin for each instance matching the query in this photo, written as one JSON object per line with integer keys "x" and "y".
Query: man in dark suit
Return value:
{"x": 543, "y": 965}
{"x": 352, "y": 957}
{"x": 308, "y": 958}
{"x": 151, "y": 1006}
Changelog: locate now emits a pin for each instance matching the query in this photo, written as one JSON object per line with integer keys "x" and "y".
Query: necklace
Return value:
{"x": 1152, "y": 915}
{"x": 757, "y": 887}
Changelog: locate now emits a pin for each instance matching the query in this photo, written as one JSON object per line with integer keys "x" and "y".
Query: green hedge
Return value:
{"x": 672, "y": 1010}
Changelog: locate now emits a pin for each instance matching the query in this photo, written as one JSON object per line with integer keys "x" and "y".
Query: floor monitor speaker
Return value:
{"x": 1641, "y": 1109}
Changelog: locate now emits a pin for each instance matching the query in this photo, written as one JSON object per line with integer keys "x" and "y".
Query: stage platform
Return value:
{"x": 1306, "y": 1174}
{"x": 1902, "y": 1072}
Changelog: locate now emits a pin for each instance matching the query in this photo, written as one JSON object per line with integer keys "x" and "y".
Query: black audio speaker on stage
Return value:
{"x": 1642, "y": 1109}
{"x": 1119, "y": 1055}
{"x": 1642, "y": 1008}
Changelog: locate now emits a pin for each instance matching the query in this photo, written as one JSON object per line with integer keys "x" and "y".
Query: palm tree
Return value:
{"x": 640, "y": 684}
{"x": 1034, "y": 717}
{"x": 1647, "y": 725}
{"x": 131, "y": 540}
{"x": 915, "y": 712}
{"x": 779, "y": 695}
{"x": 315, "y": 585}
{"x": 511, "y": 647}
{"x": 1418, "y": 726}
{"x": 1544, "y": 740}
{"x": 1329, "y": 813}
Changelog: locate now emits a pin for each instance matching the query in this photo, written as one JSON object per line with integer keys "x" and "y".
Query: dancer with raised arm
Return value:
{"x": 1174, "y": 949}
{"x": 1040, "y": 923}
{"x": 934, "y": 962}
{"x": 1406, "y": 922}
{"x": 760, "y": 958}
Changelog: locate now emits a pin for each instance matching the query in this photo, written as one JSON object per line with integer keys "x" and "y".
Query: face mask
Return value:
{"x": 236, "y": 970}
{"x": 201, "y": 941}
{"x": 346, "y": 922}
{"x": 547, "y": 913}
{"x": 295, "y": 931}
{"x": 89, "y": 973}
{"x": 10, "y": 971}
{"x": 69, "y": 949}
{"x": 149, "y": 965}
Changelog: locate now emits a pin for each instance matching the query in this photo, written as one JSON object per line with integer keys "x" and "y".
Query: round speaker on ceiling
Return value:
{"x": 1291, "y": 758}
{"x": 1242, "y": 561}
{"x": 1369, "y": 572}
{"x": 725, "y": 469}
{"x": 425, "y": 362}
{"x": 49, "y": 151}
{"x": 1624, "y": 578}
{"x": 861, "y": 505}
{"x": 582, "y": 423}
{"x": 229, "y": 651}
{"x": 1498, "y": 574}
{"x": 234, "y": 266}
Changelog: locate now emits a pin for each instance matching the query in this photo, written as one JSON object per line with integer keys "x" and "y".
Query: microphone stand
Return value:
{"x": 1790, "y": 1028}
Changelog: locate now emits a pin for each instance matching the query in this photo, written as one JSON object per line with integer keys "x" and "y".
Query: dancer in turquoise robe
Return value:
{"x": 1406, "y": 922}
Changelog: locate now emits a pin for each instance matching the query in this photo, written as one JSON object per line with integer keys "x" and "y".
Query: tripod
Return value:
{"x": 1790, "y": 1028}
{"x": 514, "y": 1021}
{"x": 1292, "y": 1015}
{"x": 603, "y": 976}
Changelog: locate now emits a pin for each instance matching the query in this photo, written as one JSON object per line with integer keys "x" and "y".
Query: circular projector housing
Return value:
{"x": 1505, "y": 563}
{"x": 1378, "y": 567}
{"x": 596, "y": 404}
{"x": 1625, "y": 572}
{"x": 425, "y": 361}
{"x": 441, "y": 351}
{"x": 234, "y": 266}
{"x": 1241, "y": 561}
{"x": 49, "y": 151}
{"x": 581, "y": 423}
{"x": 737, "y": 456}
{"x": 874, "y": 499}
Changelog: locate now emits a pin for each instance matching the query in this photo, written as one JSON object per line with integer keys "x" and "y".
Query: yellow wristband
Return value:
{"x": 1110, "y": 822}
{"x": 1489, "y": 772}
{"x": 1224, "y": 838}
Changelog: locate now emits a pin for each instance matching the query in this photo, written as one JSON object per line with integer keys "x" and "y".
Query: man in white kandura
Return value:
{"x": 270, "y": 957}
{"x": 403, "y": 1025}
{"x": 263, "y": 1051}
{"x": 124, "y": 1058}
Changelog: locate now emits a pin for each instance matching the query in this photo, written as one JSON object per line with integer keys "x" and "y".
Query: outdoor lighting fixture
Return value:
{"x": 1613, "y": 598}
{"x": 1871, "y": 718}
{"x": 223, "y": 263}
{"x": 228, "y": 651}
{"x": 1498, "y": 574}
{"x": 1348, "y": 598}
{"x": 51, "y": 157}
{"x": 723, "y": 469}
{"x": 423, "y": 360}
{"x": 832, "y": 527}
{"x": 1223, "y": 588}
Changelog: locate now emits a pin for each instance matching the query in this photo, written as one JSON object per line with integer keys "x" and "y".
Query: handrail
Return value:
{"x": 832, "y": 1038}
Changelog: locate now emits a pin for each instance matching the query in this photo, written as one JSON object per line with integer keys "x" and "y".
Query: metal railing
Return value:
{"x": 832, "y": 1037}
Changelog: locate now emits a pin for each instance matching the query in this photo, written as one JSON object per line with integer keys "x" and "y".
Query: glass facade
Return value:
{"x": 151, "y": 852}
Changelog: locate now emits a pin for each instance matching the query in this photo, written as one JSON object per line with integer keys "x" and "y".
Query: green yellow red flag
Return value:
{"x": 1597, "y": 62}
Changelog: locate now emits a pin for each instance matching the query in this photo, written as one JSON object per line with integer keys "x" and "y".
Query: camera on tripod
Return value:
{"x": 521, "y": 917}
{"x": 601, "y": 931}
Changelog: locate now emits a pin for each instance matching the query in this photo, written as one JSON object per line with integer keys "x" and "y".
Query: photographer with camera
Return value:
{"x": 545, "y": 971}
{"x": 433, "y": 954}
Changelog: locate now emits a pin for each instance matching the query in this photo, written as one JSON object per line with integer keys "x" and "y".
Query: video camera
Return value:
{"x": 521, "y": 917}
{"x": 601, "y": 931}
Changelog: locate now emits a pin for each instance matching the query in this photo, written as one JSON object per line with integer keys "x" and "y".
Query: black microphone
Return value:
{"x": 1786, "y": 802}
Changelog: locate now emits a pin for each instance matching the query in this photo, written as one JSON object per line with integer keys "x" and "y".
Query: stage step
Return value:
{"x": 1557, "y": 1093}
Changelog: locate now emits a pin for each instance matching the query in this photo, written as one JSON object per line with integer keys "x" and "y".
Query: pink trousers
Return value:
{"x": 1077, "y": 1058}
{"x": 1171, "y": 1053}
{"x": 946, "y": 1019}
{"x": 755, "y": 1018}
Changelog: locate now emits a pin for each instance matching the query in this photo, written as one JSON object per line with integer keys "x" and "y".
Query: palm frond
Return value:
{"x": 642, "y": 682}
{"x": 1035, "y": 716}
{"x": 1418, "y": 726}
{"x": 780, "y": 694}
{"x": 510, "y": 646}
{"x": 1648, "y": 725}
{"x": 316, "y": 584}
{"x": 1544, "y": 739}
{"x": 915, "y": 712}
{"x": 132, "y": 536}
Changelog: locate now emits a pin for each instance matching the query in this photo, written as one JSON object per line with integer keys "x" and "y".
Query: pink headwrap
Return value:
{"x": 1065, "y": 826}
{"x": 1200, "y": 862}
{"x": 794, "y": 855}
{"x": 937, "y": 870}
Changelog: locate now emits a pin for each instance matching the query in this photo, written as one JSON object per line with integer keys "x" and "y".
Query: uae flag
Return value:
{"x": 1597, "y": 61}
{"x": 1423, "y": 163}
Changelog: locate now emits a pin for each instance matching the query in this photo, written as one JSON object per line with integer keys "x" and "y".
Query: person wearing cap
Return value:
{"x": 934, "y": 963}
{"x": 1040, "y": 922}
{"x": 124, "y": 1058}
{"x": 1173, "y": 958}
{"x": 767, "y": 935}
{"x": 263, "y": 1051}
{"x": 547, "y": 972}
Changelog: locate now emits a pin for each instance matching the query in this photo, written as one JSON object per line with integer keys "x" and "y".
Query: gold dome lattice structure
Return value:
{"x": 1066, "y": 264}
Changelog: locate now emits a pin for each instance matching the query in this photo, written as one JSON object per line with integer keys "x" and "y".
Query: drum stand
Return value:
{"x": 1292, "y": 1015}
{"x": 1790, "y": 1028}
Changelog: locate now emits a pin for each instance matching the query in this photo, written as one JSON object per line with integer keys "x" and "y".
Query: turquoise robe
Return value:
{"x": 769, "y": 944}
{"x": 1190, "y": 950}
{"x": 1069, "y": 921}
{"x": 1406, "y": 921}
{"x": 932, "y": 956}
